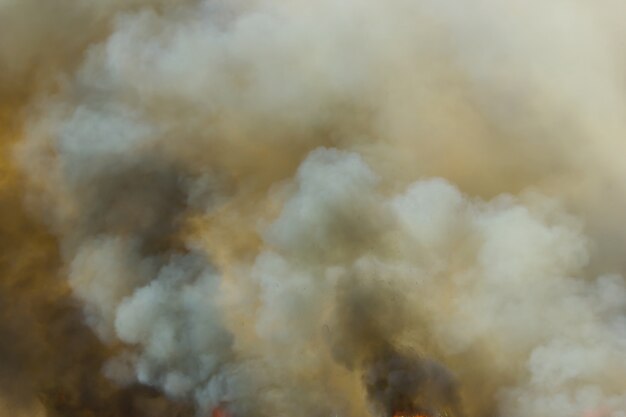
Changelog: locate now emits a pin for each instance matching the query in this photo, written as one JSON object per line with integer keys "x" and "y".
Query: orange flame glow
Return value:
{"x": 220, "y": 412}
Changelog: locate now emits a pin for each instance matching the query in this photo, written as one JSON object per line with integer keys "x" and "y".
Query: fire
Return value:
{"x": 220, "y": 411}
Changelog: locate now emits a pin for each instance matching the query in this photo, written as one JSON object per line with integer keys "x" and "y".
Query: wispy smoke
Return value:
{"x": 328, "y": 209}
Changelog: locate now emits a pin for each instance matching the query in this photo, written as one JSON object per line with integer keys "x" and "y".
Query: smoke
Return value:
{"x": 324, "y": 209}
{"x": 401, "y": 385}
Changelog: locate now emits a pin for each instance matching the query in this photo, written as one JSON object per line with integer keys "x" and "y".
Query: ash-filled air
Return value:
{"x": 326, "y": 208}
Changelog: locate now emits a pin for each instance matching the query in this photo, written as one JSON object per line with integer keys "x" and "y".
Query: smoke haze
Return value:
{"x": 329, "y": 209}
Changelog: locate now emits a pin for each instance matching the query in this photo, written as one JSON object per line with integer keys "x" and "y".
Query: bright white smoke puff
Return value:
{"x": 205, "y": 110}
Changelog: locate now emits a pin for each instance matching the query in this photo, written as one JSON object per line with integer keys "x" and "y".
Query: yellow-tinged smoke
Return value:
{"x": 313, "y": 208}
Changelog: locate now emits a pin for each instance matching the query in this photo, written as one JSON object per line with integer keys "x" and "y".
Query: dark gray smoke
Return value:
{"x": 409, "y": 386}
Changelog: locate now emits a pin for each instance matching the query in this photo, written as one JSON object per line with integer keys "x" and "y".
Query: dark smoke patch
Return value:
{"x": 141, "y": 199}
{"x": 410, "y": 385}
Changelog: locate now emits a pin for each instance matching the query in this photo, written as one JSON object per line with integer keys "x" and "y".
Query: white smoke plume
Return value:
{"x": 335, "y": 208}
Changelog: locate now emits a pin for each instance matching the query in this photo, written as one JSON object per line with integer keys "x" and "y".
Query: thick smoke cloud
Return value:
{"x": 324, "y": 209}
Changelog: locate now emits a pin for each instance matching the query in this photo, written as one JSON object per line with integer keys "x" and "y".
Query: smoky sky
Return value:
{"x": 333, "y": 208}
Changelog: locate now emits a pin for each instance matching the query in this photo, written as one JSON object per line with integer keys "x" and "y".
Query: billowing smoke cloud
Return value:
{"x": 324, "y": 209}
